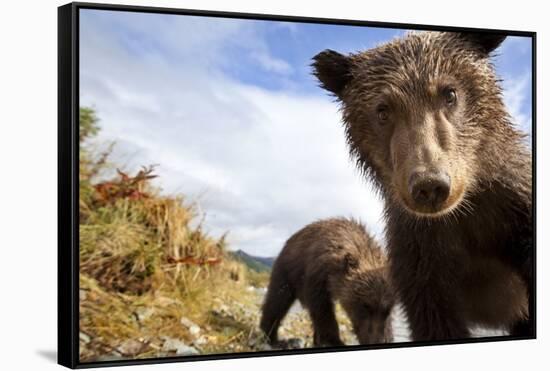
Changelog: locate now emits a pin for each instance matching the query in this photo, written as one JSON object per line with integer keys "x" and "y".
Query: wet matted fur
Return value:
{"x": 329, "y": 260}
{"x": 425, "y": 120}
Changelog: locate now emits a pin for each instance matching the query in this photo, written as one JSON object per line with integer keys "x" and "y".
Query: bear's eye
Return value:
{"x": 383, "y": 113}
{"x": 449, "y": 94}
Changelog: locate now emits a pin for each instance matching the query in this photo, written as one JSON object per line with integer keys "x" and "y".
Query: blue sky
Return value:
{"x": 231, "y": 113}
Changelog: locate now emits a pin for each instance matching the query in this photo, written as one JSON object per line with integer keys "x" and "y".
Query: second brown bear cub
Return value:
{"x": 327, "y": 261}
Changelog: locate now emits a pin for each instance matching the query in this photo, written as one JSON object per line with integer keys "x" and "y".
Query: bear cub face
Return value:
{"x": 368, "y": 301}
{"x": 415, "y": 111}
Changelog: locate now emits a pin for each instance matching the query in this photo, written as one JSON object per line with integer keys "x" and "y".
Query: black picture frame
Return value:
{"x": 68, "y": 178}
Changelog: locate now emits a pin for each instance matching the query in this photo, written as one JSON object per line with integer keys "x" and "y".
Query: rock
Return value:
{"x": 130, "y": 347}
{"x": 144, "y": 313}
{"x": 200, "y": 341}
{"x": 85, "y": 338}
{"x": 292, "y": 343}
{"x": 193, "y": 328}
{"x": 265, "y": 347}
{"x": 296, "y": 343}
{"x": 255, "y": 342}
{"x": 186, "y": 322}
{"x": 172, "y": 345}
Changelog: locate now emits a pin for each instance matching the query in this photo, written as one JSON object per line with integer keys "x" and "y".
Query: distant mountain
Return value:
{"x": 256, "y": 263}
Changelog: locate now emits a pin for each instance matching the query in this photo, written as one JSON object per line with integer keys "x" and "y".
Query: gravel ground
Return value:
{"x": 401, "y": 330}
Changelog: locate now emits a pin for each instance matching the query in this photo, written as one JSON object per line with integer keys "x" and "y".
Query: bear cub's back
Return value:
{"x": 329, "y": 245}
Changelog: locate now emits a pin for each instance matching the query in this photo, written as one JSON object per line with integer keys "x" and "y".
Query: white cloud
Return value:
{"x": 271, "y": 64}
{"x": 513, "y": 62}
{"x": 260, "y": 164}
{"x": 515, "y": 93}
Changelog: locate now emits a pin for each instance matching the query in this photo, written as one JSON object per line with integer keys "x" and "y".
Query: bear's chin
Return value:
{"x": 430, "y": 214}
{"x": 433, "y": 213}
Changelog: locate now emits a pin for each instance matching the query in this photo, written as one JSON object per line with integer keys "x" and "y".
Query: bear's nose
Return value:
{"x": 429, "y": 189}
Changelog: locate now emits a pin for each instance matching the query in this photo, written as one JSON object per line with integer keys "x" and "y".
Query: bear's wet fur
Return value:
{"x": 425, "y": 120}
{"x": 327, "y": 261}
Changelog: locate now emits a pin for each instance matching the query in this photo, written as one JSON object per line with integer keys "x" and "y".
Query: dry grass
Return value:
{"x": 152, "y": 282}
{"x": 143, "y": 268}
{"x": 112, "y": 319}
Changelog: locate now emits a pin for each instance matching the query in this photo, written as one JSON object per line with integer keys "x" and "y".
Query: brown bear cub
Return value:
{"x": 425, "y": 119}
{"x": 329, "y": 260}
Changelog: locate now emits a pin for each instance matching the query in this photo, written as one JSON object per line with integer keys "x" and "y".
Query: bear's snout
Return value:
{"x": 429, "y": 189}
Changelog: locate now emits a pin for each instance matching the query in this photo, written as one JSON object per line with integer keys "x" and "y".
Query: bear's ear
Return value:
{"x": 333, "y": 70}
{"x": 484, "y": 42}
{"x": 350, "y": 262}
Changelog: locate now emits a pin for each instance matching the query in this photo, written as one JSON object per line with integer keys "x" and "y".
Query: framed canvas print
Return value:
{"x": 241, "y": 185}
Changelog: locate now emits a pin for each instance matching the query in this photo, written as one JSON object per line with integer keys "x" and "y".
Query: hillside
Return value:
{"x": 153, "y": 283}
{"x": 256, "y": 263}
